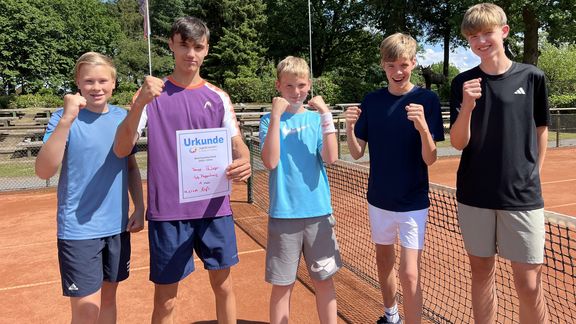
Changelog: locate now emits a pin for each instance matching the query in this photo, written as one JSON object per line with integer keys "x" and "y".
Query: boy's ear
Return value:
{"x": 277, "y": 85}
{"x": 505, "y": 31}
{"x": 171, "y": 43}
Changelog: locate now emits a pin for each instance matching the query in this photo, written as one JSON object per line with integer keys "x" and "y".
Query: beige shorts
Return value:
{"x": 515, "y": 235}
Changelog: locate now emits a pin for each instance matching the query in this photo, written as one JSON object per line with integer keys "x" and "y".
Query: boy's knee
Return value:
{"x": 409, "y": 276}
{"x": 87, "y": 313}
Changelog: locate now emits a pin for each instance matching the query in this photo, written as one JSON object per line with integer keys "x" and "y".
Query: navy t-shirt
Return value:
{"x": 499, "y": 166}
{"x": 398, "y": 178}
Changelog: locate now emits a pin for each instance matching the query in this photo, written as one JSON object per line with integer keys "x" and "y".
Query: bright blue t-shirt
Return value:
{"x": 92, "y": 190}
{"x": 398, "y": 179}
{"x": 298, "y": 186}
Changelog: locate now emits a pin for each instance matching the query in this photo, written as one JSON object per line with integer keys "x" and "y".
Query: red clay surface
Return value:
{"x": 30, "y": 281}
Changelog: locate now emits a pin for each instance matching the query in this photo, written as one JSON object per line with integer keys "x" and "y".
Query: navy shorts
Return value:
{"x": 84, "y": 264}
{"x": 172, "y": 244}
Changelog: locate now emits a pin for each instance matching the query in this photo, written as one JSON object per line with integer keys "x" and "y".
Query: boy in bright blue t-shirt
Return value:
{"x": 92, "y": 216}
{"x": 295, "y": 144}
{"x": 400, "y": 123}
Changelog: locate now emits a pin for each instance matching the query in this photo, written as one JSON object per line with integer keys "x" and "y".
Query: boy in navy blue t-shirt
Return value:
{"x": 401, "y": 123}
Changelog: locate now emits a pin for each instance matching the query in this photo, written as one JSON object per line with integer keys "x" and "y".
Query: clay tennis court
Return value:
{"x": 30, "y": 285}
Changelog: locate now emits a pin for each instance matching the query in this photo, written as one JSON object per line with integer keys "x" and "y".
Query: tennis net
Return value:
{"x": 444, "y": 269}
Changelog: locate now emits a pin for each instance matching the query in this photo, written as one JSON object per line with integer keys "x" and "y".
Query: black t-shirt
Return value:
{"x": 499, "y": 166}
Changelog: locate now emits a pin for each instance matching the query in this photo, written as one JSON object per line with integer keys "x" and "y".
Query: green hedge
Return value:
{"x": 250, "y": 89}
{"x": 31, "y": 101}
{"x": 563, "y": 101}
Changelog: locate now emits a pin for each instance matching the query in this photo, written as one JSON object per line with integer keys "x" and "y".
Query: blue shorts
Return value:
{"x": 172, "y": 244}
{"x": 84, "y": 264}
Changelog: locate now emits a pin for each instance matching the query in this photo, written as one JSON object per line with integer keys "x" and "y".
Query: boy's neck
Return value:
{"x": 295, "y": 110}
{"x": 98, "y": 110}
{"x": 186, "y": 79}
{"x": 400, "y": 91}
{"x": 496, "y": 65}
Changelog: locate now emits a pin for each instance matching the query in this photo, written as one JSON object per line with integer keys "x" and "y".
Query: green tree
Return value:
{"x": 529, "y": 19}
{"x": 40, "y": 40}
{"x": 557, "y": 62}
{"x": 339, "y": 33}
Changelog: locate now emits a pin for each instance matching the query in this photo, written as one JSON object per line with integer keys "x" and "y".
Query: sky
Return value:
{"x": 462, "y": 57}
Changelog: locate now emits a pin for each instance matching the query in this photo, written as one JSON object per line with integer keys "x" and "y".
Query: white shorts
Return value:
{"x": 386, "y": 224}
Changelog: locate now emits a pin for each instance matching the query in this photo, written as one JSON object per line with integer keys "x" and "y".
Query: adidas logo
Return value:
{"x": 73, "y": 287}
{"x": 520, "y": 91}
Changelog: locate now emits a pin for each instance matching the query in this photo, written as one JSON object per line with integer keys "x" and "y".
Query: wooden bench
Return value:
{"x": 30, "y": 146}
{"x": 7, "y": 121}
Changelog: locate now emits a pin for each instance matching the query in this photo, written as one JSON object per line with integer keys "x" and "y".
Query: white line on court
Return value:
{"x": 27, "y": 245}
{"x": 557, "y": 206}
{"x": 133, "y": 269}
{"x": 558, "y": 181}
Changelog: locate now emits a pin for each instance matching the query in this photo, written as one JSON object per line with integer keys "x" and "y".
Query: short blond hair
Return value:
{"x": 293, "y": 65}
{"x": 93, "y": 58}
{"x": 481, "y": 17}
{"x": 398, "y": 46}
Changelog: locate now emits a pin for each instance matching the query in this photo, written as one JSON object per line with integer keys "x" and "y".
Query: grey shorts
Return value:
{"x": 518, "y": 236}
{"x": 289, "y": 238}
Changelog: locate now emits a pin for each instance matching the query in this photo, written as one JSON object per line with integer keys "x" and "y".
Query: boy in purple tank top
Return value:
{"x": 184, "y": 101}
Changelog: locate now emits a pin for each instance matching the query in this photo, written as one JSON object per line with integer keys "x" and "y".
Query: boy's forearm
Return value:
{"x": 429, "y": 150}
{"x": 542, "y": 140}
{"x": 239, "y": 149}
{"x": 127, "y": 132}
{"x": 329, "y": 148}
{"x": 135, "y": 184}
{"x": 356, "y": 150}
{"x": 460, "y": 130}
{"x": 52, "y": 152}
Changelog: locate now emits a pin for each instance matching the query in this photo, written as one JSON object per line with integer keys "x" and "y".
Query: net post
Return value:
{"x": 558, "y": 129}
{"x": 249, "y": 184}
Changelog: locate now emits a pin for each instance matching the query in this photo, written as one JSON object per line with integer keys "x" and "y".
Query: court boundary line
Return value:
{"x": 45, "y": 283}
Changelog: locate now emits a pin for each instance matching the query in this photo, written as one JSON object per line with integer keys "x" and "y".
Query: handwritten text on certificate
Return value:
{"x": 203, "y": 156}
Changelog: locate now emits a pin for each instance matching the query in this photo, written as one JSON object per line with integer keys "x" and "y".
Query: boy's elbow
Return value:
{"x": 42, "y": 173}
{"x": 269, "y": 165}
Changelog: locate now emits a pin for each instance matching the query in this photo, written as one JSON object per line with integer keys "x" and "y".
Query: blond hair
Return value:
{"x": 293, "y": 65}
{"x": 93, "y": 58}
{"x": 398, "y": 46}
{"x": 482, "y": 17}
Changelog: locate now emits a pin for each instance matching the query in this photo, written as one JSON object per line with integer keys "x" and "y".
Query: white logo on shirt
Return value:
{"x": 520, "y": 91}
{"x": 73, "y": 287}
{"x": 287, "y": 131}
{"x": 207, "y": 105}
{"x": 327, "y": 265}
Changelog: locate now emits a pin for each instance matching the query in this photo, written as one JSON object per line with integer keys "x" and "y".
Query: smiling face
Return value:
{"x": 293, "y": 88}
{"x": 488, "y": 43}
{"x": 188, "y": 55}
{"x": 398, "y": 74}
{"x": 96, "y": 83}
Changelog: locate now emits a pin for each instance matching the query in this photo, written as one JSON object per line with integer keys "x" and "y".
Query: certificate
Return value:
{"x": 203, "y": 156}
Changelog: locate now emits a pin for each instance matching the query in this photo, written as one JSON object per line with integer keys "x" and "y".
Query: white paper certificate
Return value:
{"x": 203, "y": 156}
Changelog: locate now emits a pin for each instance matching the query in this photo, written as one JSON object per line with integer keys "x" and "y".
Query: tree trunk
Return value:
{"x": 531, "y": 24}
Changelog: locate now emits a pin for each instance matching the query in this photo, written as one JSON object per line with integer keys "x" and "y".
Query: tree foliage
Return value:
{"x": 40, "y": 40}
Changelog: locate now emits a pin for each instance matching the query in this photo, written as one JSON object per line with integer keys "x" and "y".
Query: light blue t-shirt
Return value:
{"x": 92, "y": 190}
{"x": 298, "y": 186}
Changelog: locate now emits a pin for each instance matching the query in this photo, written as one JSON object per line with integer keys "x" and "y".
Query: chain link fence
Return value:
{"x": 21, "y": 133}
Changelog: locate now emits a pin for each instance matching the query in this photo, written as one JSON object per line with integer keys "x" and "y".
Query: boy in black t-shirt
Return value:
{"x": 499, "y": 116}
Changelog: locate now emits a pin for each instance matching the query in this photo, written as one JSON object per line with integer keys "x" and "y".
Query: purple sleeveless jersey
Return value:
{"x": 179, "y": 108}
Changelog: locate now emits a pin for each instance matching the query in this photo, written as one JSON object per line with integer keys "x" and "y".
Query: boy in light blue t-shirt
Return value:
{"x": 295, "y": 144}
{"x": 93, "y": 223}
